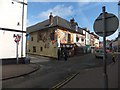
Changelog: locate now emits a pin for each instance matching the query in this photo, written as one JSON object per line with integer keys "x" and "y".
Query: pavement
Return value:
{"x": 17, "y": 70}
{"x": 94, "y": 78}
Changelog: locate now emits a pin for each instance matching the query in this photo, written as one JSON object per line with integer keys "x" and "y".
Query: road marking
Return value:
{"x": 60, "y": 84}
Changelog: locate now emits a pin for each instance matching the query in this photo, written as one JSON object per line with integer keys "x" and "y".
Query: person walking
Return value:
{"x": 65, "y": 53}
{"x": 59, "y": 53}
{"x": 113, "y": 56}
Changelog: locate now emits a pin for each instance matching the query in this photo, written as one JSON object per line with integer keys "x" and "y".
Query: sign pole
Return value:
{"x": 104, "y": 49}
{"x": 17, "y": 52}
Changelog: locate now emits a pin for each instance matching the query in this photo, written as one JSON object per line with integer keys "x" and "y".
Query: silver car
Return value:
{"x": 99, "y": 53}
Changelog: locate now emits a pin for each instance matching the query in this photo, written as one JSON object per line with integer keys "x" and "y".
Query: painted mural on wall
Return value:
{"x": 65, "y": 37}
{"x": 47, "y": 37}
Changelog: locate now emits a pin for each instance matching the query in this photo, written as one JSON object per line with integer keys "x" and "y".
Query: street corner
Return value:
{"x": 18, "y": 70}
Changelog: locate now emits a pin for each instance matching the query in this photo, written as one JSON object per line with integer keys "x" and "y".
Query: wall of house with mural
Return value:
{"x": 43, "y": 42}
{"x": 65, "y": 37}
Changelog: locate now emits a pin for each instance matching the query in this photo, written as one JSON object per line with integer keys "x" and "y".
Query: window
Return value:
{"x": 41, "y": 48}
{"x": 69, "y": 38}
{"x": 31, "y": 38}
{"x": 34, "y": 49}
{"x": 77, "y": 39}
{"x": 52, "y": 37}
{"x": 82, "y": 39}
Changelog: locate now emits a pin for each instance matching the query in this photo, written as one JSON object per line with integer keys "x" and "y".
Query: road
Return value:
{"x": 54, "y": 71}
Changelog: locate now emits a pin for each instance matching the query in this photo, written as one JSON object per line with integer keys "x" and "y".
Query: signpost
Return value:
{"x": 17, "y": 39}
{"x": 105, "y": 25}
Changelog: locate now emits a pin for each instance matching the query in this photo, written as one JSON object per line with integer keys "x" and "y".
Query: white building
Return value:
{"x": 13, "y": 15}
{"x": 87, "y": 36}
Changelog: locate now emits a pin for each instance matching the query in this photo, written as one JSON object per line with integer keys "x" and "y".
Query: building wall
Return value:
{"x": 13, "y": 21}
{"x": 81, "y": 39}
{"x": 92, "y": 39}
{"x": 87, "y": 38}
{"x": 96, "y": 42}
{"x": 63, "y": 37}
{"x": 43, "y": 43}
{"x": 41, "y": 39}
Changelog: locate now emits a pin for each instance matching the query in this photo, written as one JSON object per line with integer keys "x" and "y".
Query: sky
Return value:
{"x": 84, "y": 13}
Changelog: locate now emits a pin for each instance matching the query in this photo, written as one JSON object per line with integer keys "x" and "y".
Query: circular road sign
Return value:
{"x": 111, "y": 24}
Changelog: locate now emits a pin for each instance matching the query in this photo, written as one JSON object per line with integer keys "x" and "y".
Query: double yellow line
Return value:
{"x": 60, "y": 84}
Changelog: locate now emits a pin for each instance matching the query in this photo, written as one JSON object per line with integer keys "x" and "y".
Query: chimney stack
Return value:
{"x": 73, "y": 24}
{"x": 51, "y": 18}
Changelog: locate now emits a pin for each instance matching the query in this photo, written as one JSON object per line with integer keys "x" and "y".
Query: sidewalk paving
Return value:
{"x": 16, "y": 70}
{"x": 94, "y": 78}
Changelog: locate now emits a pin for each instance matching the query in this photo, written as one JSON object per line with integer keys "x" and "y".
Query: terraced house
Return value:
{"x": 47, "y": 36}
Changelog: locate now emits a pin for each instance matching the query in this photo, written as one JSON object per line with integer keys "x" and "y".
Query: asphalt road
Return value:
{"x": 54, "y": 71}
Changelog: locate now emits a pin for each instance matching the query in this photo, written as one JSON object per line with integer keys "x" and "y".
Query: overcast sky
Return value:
{"x": 84, "y": 13}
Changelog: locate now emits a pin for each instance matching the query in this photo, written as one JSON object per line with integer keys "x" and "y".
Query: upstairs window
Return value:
{"x": 52, "y": 37}
{"x": 69, "y": 38}
{"x": 41, "y": 49}
{"x": 34, "y": 49}
{"x": 31, "y": 38}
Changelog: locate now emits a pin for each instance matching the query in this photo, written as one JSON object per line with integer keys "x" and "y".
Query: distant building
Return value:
{"x": 47, "y": 36}
{"x": 116, "y": 43}
{"x": 80, "y": 37}
{"x": 12, "y": 22}
{"x": 96, "y": 43}
{"x": 87, "y": 36}
{"x": 94, "y": 40}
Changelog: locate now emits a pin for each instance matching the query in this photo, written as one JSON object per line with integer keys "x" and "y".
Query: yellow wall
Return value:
{"x": 50, "y": 50}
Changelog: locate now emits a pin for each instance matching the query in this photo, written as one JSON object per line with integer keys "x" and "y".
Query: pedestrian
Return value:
{"x": 113, "y": 56}
{"x": 65, "y": 53}
{"x": 59, "y": 53}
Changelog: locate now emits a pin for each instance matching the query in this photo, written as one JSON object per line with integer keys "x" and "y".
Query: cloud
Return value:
{"x": 59, "y": 10}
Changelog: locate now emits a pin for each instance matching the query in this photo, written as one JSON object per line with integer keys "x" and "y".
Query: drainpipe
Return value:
{"x": 22, "y": 30}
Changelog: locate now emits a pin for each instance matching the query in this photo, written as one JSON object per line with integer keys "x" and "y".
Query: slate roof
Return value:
{"x": 57, "y": 21}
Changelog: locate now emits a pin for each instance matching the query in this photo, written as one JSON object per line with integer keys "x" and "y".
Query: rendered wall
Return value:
{"x": 11, "y": 12}
{"x": 41, "y": 39}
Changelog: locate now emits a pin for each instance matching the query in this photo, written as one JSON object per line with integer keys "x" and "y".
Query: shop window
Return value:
{"x": 34, "y": 49}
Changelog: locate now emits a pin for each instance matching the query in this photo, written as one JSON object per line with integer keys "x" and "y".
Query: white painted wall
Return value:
{"x": 10, "y": 15}
{"x": 74, "y": 38}
{"x": 96, "y": 43}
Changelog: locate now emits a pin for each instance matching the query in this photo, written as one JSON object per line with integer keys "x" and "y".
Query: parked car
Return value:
{"x": 99, "y": 53}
